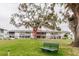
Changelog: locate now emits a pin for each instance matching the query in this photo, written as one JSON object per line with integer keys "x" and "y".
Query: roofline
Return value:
{"x": 37, "y": 31}
{"x": 3, "y": 28}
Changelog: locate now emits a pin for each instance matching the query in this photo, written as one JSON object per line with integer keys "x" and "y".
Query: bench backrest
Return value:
{"x": 51, "y": 45}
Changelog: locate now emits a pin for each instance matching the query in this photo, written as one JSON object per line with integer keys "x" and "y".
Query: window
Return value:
{"x": 24, "y": 36}
{"x": 11, "y": 36}
{"x": 41, "y": 34}
{"x": 2, "y": 30}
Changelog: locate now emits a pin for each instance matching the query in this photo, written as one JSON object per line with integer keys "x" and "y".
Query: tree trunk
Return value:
{"x": 74, "y": 26}
{"x": 76, "y": 31}
{"x": 76, "y": 41}
{"x": 34, "y": 32}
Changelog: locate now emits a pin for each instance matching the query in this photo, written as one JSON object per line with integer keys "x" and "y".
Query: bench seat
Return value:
{"x": 50, "y": 47}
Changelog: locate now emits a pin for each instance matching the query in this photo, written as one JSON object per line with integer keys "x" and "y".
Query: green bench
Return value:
{"x": 53, "y": 47}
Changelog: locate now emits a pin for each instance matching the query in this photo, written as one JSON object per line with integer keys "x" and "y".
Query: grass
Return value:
{"x": 31, "y": 47}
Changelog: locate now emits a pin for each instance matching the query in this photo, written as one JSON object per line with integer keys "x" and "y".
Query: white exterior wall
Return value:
{"x": 62, "y": 35}
{"x": 1, "y": 35}
{"x": 17, "y": 35}
{"x": 6, "y": 34}
{"x": 31, "y": 35}
{"x": 48, "y": 35}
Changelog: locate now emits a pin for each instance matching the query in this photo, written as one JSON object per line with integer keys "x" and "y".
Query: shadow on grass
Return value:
{"x": 54, "y": 53}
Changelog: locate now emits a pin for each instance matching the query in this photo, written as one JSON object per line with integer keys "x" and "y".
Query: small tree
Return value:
{"x": 35, "y": 16}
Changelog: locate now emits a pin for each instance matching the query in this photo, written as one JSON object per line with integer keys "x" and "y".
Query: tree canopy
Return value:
{"x": 35, "y": 15}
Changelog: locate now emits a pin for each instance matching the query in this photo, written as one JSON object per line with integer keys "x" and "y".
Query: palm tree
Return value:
{"x": 35, "y": 16}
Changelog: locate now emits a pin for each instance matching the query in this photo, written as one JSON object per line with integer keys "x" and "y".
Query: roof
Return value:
{"x": 38, "y": 31}
{"x": 3, "y": 29}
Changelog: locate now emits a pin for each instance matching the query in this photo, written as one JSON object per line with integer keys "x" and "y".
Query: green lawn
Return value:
{"x": 31, "y": 47}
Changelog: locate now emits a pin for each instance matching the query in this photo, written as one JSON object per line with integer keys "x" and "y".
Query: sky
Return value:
{"x": 7, "y": 9}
